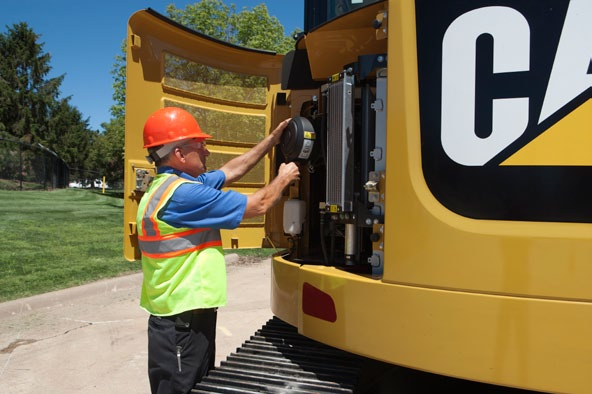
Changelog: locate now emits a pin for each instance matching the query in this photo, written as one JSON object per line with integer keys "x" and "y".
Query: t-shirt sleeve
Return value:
{"x": 202, "y": 205}
{"x": 213, "y": 179}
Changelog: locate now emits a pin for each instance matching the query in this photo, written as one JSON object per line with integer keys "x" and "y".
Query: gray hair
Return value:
{"x": 157, "y": 154}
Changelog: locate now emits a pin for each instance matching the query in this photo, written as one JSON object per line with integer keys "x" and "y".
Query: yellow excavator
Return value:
{"x": 443, "y": 218}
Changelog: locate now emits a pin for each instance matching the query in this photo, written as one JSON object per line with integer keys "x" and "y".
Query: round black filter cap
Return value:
{"x": 298, "y": 139}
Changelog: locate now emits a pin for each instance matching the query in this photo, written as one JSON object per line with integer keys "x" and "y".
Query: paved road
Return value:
{"x": 92, "y": 338}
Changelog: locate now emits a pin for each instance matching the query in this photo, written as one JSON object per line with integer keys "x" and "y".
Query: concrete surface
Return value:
{"x": 92, "y": 338}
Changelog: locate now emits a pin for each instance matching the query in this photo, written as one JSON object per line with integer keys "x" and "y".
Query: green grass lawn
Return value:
{"x": 51, "y": 240}
{"x": 58, "y": 239}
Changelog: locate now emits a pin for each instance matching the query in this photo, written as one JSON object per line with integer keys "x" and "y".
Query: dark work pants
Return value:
{"x": 181, "y": 350}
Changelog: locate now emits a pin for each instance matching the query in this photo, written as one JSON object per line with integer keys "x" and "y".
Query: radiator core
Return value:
{"x": 340, "y": 149}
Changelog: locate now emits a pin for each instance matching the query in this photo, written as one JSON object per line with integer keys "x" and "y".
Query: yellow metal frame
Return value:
{"x": 514, "y": 341}
{"x": 150, "y": 36}
{"x": 507, "y": 303}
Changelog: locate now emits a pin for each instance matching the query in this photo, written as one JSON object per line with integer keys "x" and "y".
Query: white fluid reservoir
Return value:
{"x": 294, "y": 215}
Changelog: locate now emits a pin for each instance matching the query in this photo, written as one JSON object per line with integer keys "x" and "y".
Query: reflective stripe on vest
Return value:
{"x": 153, "y": 244}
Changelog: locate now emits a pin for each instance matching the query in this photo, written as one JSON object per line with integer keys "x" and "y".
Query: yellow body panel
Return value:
{"x": 503, "y": 302}
{"x": 514, "y": 341}
{"x": 343, "y": 41}
{"x": 428, "y": 245}
{"x": 155, "y": 47}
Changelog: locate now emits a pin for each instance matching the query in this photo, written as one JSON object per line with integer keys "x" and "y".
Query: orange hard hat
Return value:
{"x": 170, "y": 124}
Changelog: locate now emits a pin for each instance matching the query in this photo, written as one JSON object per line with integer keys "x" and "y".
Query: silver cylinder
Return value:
{"x": 350, "y": 243}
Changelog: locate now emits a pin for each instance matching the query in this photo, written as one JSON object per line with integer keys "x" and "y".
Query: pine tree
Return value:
{"x": 26, "y": 95}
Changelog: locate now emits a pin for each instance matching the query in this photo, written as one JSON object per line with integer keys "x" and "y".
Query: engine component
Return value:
{"x": 340, "y": 140}
{"x": 294, "y": 215}
{"x": 350, "y": 243}
{"x": 298, "y": 139}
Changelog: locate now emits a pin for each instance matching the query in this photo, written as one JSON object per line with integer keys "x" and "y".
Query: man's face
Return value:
{"x": 195, "y": 153}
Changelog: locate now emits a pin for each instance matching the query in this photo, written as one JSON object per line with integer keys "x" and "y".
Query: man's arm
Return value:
{"x": 236, "y": 168}
{"x": 263, "y": 199}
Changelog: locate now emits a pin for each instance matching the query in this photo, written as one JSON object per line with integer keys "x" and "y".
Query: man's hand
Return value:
{"x": 289, "y": 172}
{"x": 240, "y": 165}
{"x": 263, "y": 199}
{"x": 276, "y": 134}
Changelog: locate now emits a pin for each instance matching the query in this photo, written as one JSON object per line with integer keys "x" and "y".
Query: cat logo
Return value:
{"x": 506, "y": 120}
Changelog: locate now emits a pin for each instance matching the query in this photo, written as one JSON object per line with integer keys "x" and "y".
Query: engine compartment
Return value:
{"x": 339, "y": 140}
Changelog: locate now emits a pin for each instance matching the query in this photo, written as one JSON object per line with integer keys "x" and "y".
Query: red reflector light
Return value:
{"x": 317, "y": 303}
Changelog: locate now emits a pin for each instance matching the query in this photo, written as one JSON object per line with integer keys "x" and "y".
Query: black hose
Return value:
{"x": 323, "y": 242}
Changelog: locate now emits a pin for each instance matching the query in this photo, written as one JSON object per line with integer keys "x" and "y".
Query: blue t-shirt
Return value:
{"x": 203, "y": 204}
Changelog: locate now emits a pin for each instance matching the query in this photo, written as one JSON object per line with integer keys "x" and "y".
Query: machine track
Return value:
{"x": 276, "y": 359}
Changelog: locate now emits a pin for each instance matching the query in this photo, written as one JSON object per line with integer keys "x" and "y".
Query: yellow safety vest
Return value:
{"x": 184, "y": 268}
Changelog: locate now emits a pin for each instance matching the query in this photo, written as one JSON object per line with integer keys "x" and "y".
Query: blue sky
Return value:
{"x": 83, "y": 39}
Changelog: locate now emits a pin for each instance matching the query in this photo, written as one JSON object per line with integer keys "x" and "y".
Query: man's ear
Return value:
{"x": 178, "y": 153}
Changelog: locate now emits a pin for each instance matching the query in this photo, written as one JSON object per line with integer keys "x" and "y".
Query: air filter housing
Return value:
{"x": 298, "y": 139}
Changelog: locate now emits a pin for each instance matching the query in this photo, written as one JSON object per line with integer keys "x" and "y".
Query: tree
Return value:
{"x": 26, "y": 96}
{"x": 118, "y": 72}
{"x": 248, "y": 28}
{"x": 256, "y": 29}
{"x": 108, "y": 149}
{"x": 69, "y": 135}
{"x": 210, "y": 17}
{"x": 31, "y": 110}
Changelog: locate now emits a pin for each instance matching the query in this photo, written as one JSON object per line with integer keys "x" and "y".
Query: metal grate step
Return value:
{"x": 276, "y": 359}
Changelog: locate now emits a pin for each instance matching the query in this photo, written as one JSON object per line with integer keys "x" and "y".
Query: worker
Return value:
{"x": 179, "y": 221}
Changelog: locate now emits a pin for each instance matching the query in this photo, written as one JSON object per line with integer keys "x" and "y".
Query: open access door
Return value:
{"x": 233, "y": 92}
